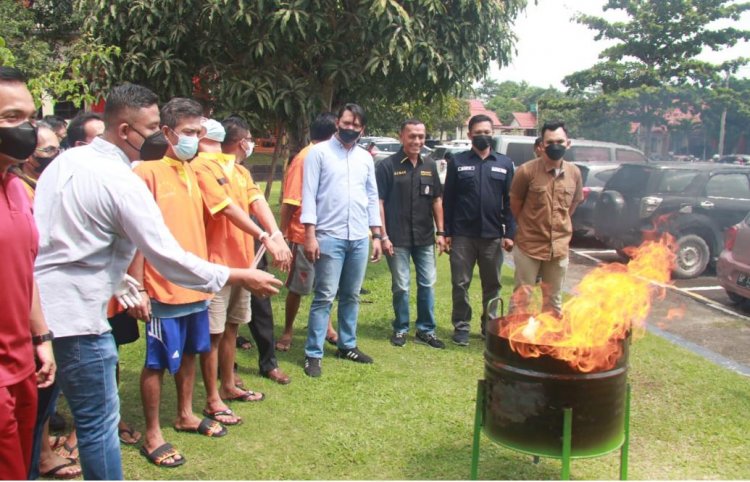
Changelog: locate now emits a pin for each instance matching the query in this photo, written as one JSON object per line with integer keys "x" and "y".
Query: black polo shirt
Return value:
{"x": 408, "y": 193}
{"x": 476, "y": 202}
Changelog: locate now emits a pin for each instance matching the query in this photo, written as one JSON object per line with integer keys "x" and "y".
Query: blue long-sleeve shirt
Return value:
{"x": 339, "y": 191}
{"x": 476, "y": 198}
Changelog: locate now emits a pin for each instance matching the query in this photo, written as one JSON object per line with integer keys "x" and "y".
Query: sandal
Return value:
{"x": 130, "y": 432}
{"x": 160, "y": 454}
{"x": 223, "y": 413}
{"x": 56, "y": 441}
{"x": 243, "y": 343}
{"x": 53, "y": 473}
{"x": 332, "y": 341}
{"x": 247, "y": 396}
{"x": 207, "y": 427}
{"x": 68, "y": 452}
{"x": 283, "y": 345}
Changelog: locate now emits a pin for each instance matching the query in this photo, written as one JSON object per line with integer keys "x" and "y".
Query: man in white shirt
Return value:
{"x": 93, "y": 214}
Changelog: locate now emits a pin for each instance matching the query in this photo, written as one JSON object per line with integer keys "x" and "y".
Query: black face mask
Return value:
{"x": 43, "y": 163}
{"x": 555, "y": 151}
{"x": 481, "y": 142}
{"x": 18, "y": 142}
{"x": 348, "y": 136}
{"x": 154, "y": 147}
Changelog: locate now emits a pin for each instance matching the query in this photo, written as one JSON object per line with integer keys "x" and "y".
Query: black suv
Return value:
{"x": 694, "y": 202}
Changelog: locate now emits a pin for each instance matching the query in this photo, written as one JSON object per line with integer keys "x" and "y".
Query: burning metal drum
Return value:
{"x": 525, "y": 399}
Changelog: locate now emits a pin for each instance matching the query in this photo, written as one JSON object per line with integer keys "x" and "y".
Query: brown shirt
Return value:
{"x": 544, "y": 227}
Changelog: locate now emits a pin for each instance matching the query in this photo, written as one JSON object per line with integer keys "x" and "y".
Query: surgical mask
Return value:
{"x": 214, "y": 130}
{"x": 186, "y": 147}
{"x": 250, "y": 149}
{"x": 348, "y": 136}
{"x": 481, "y": 142}
{"x": 154, "y": 146}
{"x": 18, "y": 142}
{"x": 43, "y": 163}
{"x": 555, "y": 151}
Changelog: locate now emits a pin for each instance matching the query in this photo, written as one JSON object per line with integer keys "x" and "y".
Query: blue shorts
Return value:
{"x": 168, "y": 338}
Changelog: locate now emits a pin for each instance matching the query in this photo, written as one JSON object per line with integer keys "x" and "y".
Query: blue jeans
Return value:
{"x": 424, "y": 263}
{"x": 86, "y": 373}
{"x": 340, "y": 268}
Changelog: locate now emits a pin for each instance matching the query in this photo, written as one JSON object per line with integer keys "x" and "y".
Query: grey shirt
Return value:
{"x": 92, "y": 212}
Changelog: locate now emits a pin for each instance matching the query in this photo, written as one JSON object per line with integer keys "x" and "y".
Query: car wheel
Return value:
{"x": 735, "y": 298}
{"x": 693, "y": 256}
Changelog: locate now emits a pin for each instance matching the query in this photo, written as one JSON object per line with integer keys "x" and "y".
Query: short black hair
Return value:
{"x": 76, "y": 128}
{"x": 479, "y": 118}
{"x": 236, "y": 128}
{"x": 56, "y": 122}
{"x": 323, "y": 127}
{"x": 177, "y": 109}
{"x": 553, "y": 126}
{"x": 410, "y": 122}
{"x": 11, "y": 74}
{"x": 127, "y": 96}
{"x": 357, "y": 111}
{"x": 538, "y": 142}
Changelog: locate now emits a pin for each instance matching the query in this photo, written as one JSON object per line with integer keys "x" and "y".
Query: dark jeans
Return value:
{"x": 465, "y": 253}
{"x": 45, "y": 408}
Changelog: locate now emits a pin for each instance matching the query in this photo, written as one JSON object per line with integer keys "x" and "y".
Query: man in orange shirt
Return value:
{"x": 178, "y": 326}
{"x": 229, "y": 197}
{"x": 302, "y": 275}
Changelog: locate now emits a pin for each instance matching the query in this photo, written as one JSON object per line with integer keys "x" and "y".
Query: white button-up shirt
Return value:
{"x": 339, "y": 191}
{"x": 92, "y": 213}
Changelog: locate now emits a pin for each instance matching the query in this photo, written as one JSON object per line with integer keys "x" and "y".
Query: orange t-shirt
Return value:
{"x": 221, "y": 183}
{"x": 176, "y": 192}
{"x": 295, "y": 232}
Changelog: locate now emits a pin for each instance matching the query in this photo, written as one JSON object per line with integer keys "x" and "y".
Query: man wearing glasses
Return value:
{"x": 47, "y": 149}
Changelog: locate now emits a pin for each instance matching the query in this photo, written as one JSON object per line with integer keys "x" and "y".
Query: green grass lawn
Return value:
{"x": 410, "y": 414}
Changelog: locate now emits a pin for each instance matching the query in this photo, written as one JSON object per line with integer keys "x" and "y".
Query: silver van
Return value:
{"x": 521, "y": 149}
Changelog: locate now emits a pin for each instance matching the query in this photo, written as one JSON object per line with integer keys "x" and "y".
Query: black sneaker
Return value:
{"x": 354, "y": 355}
{"x": 398, "y": 339}
{"x": 428, "y": 339}
{"x": 460, "y": 337}
{"x": 312, "y": 367}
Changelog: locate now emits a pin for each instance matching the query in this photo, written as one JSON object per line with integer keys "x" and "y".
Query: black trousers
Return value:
{"x": 261, "y": 328}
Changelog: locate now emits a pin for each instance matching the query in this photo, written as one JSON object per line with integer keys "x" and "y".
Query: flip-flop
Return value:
{"x": 283, "y": 345}
{"x": 206, "y": 428}
{"x": 53, "y": 472}
{"x": 223, "y": 413}
{"x": 57, "y": 441}
{"x": 247, "y": 396}
{"x": 68, "y": 449}
{"x": 243, "y": 343}
{"x": 332, "y": 341}
{"x": 130, "y": 431}
{"x": 160, "y": 454}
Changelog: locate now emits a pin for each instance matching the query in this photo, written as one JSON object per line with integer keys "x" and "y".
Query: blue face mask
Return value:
{"x": 186, "y": 147}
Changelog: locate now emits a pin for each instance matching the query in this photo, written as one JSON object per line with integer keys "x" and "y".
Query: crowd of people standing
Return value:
{"x": 150, "y": 215}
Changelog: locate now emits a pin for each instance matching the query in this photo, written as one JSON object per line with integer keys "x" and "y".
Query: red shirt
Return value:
{"x": 19, "y": 243}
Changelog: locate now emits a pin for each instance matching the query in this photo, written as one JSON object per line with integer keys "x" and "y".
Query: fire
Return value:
{"x": 612, "y": 302}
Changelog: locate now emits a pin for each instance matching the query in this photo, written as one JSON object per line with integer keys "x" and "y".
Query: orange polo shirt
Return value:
{"x": 295, "y": 232}
{"x": 176, "y": 192}
{"x": 221, "y": 183}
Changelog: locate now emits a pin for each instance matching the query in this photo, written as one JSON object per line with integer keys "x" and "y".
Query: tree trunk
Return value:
{"x": 277, "y": 153}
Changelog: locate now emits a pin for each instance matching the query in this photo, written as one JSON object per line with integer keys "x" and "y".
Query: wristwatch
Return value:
{"x": 377, "y": 236}
{"x": 39, "y": 339}
{"x": 439, "y": 233}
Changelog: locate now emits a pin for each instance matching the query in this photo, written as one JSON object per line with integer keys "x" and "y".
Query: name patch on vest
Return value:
{"x": 466, "y": 168}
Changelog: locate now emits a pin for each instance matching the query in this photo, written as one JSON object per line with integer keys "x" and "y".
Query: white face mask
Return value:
{"x": 249, "y": 150}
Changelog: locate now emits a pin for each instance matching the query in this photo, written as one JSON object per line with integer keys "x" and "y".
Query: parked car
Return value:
{"x": 382, "y": 149}
{"x": 694, "y": 202}
{"x": 521, "y": 149}
{"x": 740, "y": 159}
{"x": 733, "y": 267}
{"x": 595, "y": 175}
{"x": 442, "y": 153}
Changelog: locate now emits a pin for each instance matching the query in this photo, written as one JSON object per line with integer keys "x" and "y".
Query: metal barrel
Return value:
{"x": 525, "y": 398}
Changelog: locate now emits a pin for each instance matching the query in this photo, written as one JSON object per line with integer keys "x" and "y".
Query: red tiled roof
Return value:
{"x": 476, "y": 107}
{"x": 525, "y": 120}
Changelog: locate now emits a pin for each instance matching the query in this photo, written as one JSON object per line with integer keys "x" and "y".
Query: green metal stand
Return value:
{"x": 567, "y": 438}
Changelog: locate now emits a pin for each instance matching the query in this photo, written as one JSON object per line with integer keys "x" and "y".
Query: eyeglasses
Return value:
{"x": 49, "y": 150}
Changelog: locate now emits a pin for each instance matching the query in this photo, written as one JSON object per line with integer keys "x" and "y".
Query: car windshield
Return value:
{"x": 675, "y": 180}
{"x": 388, "y": 146}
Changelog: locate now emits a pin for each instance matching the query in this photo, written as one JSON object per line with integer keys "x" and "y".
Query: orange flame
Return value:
{"x": 612, "y": 301}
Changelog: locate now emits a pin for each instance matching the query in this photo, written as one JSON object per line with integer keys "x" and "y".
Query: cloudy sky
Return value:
{"x": 551, "y": 45}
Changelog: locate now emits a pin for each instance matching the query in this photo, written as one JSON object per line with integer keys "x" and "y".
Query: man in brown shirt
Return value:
{"x": 543, "y": 197}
